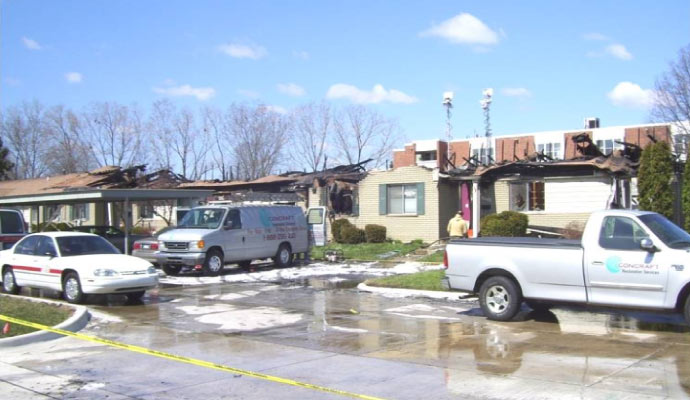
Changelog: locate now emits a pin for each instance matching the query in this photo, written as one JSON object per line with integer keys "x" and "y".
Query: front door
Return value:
{"x": 619, "y": 272}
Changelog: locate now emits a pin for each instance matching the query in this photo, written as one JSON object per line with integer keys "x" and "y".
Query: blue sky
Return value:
{"x": 550, "y": 63}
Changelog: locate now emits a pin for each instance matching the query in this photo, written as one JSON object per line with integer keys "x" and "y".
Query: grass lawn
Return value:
{"x": 436, "y": 257}
{"x": 40, "y": 313}
{"x": 427, "y": 280}
{"x": 367, "y": 251}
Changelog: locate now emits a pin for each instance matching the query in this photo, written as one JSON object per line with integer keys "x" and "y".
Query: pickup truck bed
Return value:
{"x": 519, "y": 242}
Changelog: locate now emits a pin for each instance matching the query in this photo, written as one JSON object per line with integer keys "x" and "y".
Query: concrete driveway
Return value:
{"x": 342, "y": 339}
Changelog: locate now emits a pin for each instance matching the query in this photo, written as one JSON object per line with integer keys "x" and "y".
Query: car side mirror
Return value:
{"x": 647, "y": 245}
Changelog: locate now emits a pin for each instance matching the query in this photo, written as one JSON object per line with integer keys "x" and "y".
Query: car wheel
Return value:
{"x": 172, "y": 270}
{"x": 283, "y": 258}
{"x": 9, "y": 284}
{"x": 71, "y": 288}
{"x": 134, "y": 297}
{"x": 499, "y": 298}
{"x": 214, "y": 263}
{"x": 686, "y": 309}
{"x": 245, "y": 265}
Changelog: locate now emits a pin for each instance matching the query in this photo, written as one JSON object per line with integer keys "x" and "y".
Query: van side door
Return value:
{"x": 234, "y": 241}
{"x": 316, "y": 221}
{"x": 619, "y": 272}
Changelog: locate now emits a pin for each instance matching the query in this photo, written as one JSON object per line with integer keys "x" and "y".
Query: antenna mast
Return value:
{"x": 486, "y": 106}
{"x": 448, "y": 104}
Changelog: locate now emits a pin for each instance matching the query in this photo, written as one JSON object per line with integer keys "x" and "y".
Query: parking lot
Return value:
{"x": 321, "y": 331}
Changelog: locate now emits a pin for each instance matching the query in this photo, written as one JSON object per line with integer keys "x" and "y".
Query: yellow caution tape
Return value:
{"x": 193, "y": 361}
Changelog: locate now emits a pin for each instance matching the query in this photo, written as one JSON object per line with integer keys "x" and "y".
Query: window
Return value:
{"x": 51, "y": 213}
{"x": 45, "y": 247}
{"x": 608, "y": 146}
{"x": 527, "y": 196}
{"x": 621, "y": 233}
{"x": 552, "y": 150}
{"x": 484, "y": 155}
{"x": 27, "y": 245}
{"x": 232, "y": 221}
{"x": 426, "y": 156}
{"x": 145, "y": 211}
{"x": 80, "y": 211}
{"x": 11, "y": 222}
{"x": 401, "y": 199}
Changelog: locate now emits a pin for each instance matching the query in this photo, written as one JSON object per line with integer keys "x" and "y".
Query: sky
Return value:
{"x": 550, "y": 63}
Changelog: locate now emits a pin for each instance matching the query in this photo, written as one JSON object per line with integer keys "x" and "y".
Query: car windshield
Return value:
{"x": 202, "y": 218}
{"x": 83, "y": 245}
{"x": 667, "y": 231}
{"x": 10, "y": 222}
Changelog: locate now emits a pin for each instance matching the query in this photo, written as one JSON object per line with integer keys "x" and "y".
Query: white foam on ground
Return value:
{"x": 103, "y": 317}
{"x": 237, "y": 320}
{"x": 344, "y": 329}
{"x": 198, "y": 310}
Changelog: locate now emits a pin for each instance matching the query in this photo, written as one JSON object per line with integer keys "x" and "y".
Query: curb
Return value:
{"x": 431, "y": 294}
{"x": 75, "y": 323}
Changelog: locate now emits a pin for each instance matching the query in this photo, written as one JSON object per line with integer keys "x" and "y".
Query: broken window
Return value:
{"x": 608, "y": 146}
{"x": 552, "y": 150}
{"x": 527, "y": 196}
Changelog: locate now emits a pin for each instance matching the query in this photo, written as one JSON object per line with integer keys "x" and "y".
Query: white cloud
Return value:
{"x": 595, "y": 36}
{"x": 464, "y": 29}
{"x": 73, "y": 77}
{"x": 303, "y": 55}
{"x": 619, "y": 51}
{"x": 243, "y": 51}
{"x": 291, "y": 89}
{"x": 12, "y": 81}
{"x": 202, "y": 94}
{"x": 376, "y": 95}
{"x": 631, "y": 95}
{"x": 277, "y": 109}
{"x": 252, "y": 94}
{"x": 516, "y": 92}
{"x": 31, "y": 44}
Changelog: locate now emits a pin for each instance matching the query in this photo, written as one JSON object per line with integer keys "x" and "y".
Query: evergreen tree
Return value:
{"x": 653, "y": 179}
{"x": 5, "y": 164}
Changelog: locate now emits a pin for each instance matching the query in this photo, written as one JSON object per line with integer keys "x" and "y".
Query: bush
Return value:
{"x": 337, "y": 227}
{"x": 350, "y": 234}
{"x": 51, "y": 227}
{"x": 375, "y": 233}
{"x": 141, "y": 230}
{"x": 574, "y": 230}
{"x": 507, "y": 223}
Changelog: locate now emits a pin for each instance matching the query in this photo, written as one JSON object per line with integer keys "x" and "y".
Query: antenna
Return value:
{"x": 486, "y": 106}
{"x": 448, "y": 104}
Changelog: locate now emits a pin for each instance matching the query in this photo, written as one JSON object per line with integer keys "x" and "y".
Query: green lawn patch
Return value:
{"x": 368, "y": 251}
{"x": 436, "y": 257}
{"x": 427, "y": 280}
{"x": 32, "y": 311}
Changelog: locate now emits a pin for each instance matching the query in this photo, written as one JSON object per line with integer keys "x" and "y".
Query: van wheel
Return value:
{"x": 71, "y": 289}
{"x": 499, "y": 298}
{"x": 214, "y": 263}
{"x": 9, "y": 284}
{"x": 172, "y": 270}
{"x": 283, "y": 258}
{"x": 686, "y": 309}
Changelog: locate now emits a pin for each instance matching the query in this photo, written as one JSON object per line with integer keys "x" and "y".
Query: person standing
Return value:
{"x": 457, "y": 226}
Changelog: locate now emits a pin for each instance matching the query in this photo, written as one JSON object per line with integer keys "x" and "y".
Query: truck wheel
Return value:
{"x": 71, "y": 288}
{"x": 283, "y": 258}
{"x": 172, "y": 270}
{"x": 499, "y": 298}
{"x": 214, "y": 263}
{"x": 9, "y": 284}
{"x": 686, "y": 309}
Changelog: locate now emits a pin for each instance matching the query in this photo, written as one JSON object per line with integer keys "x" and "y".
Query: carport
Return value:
{"x": 126, "y": 196}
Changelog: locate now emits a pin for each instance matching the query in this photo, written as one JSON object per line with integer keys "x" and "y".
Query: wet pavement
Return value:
{"x": 318, "y": 330}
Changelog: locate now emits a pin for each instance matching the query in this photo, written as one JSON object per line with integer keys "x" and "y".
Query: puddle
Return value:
{"x": 328, "y": 282}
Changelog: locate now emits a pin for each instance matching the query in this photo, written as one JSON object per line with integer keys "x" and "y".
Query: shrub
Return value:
{"x": 337, "y": 227}
{"x": 574, "y": 230}
{"x": 375, "y": 233}
{"x": 141, "y": 230}
{"x": 507, "y": 223}
{"x": 350, "y": 234}
{"x": 51, "y": 227}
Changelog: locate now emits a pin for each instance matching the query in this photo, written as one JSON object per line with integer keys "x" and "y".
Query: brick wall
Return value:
{"x": 460, "y": 149}
{"x": 404, "y": 158}
{"x": 640, "y": 136}
{"x": 570, "y": 147}
{"x": 512, "y": 148}
{"x": 441, "y": 153}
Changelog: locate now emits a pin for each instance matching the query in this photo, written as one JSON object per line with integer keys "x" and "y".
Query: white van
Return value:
{"x": 210, "y": 236}
{"x": 12, "y": 227}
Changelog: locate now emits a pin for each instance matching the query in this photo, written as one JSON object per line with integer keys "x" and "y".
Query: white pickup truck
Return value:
{"x": 632, "y": 259}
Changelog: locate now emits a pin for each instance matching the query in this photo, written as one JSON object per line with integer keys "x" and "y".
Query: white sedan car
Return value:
{"x": 75, "y": 264}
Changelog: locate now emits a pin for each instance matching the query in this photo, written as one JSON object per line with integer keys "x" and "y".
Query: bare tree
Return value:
{"x": 311, "y": 130}
{"x": 362, "y": 133}
{"x": 24, "y": 132}
{"x": 220, "y": 133}
{"x": 672, "y": 101}
{"x": 115, "y": 134}
{"x": 259, "y": 135}
{"x": 160, "y": 124}
{"x": 69, "y": 152}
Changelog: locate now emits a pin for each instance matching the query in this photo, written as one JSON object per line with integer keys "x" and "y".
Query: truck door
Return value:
{"x": 316, "y": 221}
{"x": 234, "y": 241}
{"x": 619, "y": 272}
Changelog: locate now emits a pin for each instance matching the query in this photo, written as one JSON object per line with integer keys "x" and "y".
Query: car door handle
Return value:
{"x": 242, "y": 239}
{"x": 597, "y": 263}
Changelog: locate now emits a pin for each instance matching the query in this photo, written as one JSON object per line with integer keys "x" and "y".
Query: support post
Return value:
{"x": 476, "y": 206}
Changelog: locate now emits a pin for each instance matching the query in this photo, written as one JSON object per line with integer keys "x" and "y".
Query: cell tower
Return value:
{"x": 448, "y": 104}
{"x": 486, "y": 106}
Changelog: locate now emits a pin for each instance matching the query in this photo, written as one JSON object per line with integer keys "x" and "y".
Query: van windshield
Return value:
{"x": 667, "y": 231}
{"x": 202, "y": 218}
{"x": 11, "y": 222}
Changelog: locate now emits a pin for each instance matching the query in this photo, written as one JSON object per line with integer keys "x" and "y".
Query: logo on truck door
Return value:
{"x": 615, "y": 265}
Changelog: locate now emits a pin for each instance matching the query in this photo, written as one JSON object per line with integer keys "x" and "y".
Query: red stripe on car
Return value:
{"x": 55, "y": 271}
{"x": 22, "y": 268}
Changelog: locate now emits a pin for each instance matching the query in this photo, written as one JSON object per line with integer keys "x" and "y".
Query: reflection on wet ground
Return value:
{"x": 402, "y": 348}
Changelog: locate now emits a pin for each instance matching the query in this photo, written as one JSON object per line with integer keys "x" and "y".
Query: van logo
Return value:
{"x": 265, "y": 219}
{"x": 613, "y": 264}
{"x": 678, "y": 267}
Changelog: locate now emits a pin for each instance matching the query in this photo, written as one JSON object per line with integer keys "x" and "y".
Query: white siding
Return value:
{"x": 576, "y": 196}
